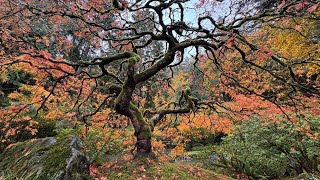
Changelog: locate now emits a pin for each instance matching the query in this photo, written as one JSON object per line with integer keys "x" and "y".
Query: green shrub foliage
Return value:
{"x": 268, "y": 150}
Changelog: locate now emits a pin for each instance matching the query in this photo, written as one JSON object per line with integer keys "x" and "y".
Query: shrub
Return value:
{"x": 22, "y": 129}
{"x": 102, "y": 143}
{"x": 269, "y": 150}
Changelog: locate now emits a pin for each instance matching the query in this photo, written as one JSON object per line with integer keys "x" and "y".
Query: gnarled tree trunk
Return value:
{"x": 143, "y": 144}
{"x": 124, "y": 105}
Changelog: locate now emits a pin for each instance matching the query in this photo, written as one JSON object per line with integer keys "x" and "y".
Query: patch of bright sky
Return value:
{"x": 192, "y": 11}
{"x": 211, "y": 8}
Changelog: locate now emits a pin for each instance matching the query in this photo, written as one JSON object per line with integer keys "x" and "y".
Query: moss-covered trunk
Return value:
{"x": 143, "y": 144}
{"x": 125, "y": 106}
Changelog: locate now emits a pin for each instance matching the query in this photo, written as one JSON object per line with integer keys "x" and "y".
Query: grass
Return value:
{"x": 200, "y": 152}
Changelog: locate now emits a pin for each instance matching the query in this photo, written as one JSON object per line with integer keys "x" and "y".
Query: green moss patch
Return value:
{"x": 44, "y": 158}
{"x": 148, "y": 169}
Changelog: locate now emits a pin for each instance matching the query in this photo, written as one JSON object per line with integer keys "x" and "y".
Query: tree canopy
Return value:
{"x": 151, "y": 61}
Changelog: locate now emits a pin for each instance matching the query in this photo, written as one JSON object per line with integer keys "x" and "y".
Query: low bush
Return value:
{"x": 103, "y": 144}
{"x": 268, "y": 150}
{"x": 22, "y": 129}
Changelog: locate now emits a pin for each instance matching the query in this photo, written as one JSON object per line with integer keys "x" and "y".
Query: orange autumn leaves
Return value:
{"x": 202, "y": 124}
{"x": 11, "y": 123}
{"x": 34, "y": 80}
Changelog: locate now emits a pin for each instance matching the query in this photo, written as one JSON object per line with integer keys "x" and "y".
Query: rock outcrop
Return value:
{"x": 46, "y": 158}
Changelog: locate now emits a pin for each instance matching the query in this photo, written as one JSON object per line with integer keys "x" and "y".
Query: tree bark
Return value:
{"x": 143, "y": 144}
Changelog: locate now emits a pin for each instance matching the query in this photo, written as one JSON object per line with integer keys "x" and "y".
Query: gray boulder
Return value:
{"x": 64, "y": 124}
{"x": 45, "y": 158}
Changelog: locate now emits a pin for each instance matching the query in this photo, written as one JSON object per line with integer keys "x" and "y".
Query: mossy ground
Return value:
{"x": 153, "y": 169}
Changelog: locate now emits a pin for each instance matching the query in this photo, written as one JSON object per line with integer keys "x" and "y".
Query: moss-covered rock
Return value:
{"x": 64, "y": 124}
{"x": 46, "y": 158}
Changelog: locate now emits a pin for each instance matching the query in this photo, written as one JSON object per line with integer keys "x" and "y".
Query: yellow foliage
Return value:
{"x": 295, "y": 42}
{"x": 16, "y": 95}
{"x": 178, "y": 151}
{"x": 158, "y": 146}
{"x": 54, "y": 114}
{"x": 202, "y": 124}
{"x": 3, "y": 75}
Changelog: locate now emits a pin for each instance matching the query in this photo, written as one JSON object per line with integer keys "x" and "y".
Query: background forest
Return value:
{"x": 159, "y": 89}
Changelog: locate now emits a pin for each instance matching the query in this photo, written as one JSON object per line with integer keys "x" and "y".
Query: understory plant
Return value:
{"x": 267, "y": 150}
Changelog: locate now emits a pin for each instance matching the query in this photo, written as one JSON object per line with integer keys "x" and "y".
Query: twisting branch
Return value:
{"x": 191, "y": 104}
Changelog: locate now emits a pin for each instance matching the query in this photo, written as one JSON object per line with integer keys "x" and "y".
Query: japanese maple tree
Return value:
{"x": 113, "y": 53}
